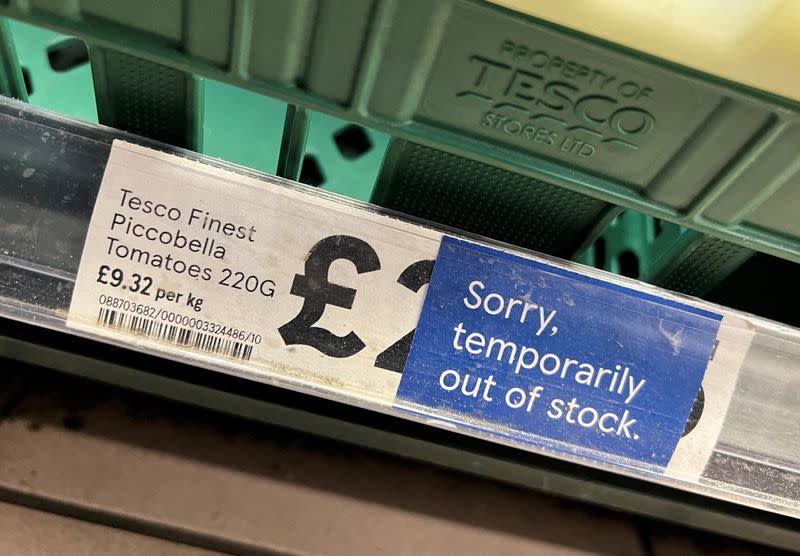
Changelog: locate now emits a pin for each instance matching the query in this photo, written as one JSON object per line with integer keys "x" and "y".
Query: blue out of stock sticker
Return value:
{"x": 543, "y": 354}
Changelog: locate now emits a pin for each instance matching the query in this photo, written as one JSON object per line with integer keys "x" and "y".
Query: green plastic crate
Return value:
{"x": 468, "y": 82}
{"x": 240, "y": 126}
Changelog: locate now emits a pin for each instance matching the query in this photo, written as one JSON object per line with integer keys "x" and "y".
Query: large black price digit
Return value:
{"x": 394, "y": 357}
{"x": 319, "y": 292}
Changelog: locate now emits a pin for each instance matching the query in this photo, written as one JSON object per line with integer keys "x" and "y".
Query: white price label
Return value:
{"x": 198, "y": 259}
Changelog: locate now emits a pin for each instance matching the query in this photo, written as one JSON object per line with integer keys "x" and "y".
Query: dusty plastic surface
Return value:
{"x": 51, "y": 170}
{"x": 492, "y": 85}
{"x": 148, "y": 99}
{"x": 489, "y": 201}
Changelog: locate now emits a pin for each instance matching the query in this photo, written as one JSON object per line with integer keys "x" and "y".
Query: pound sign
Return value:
{"x": 319, "y": 292}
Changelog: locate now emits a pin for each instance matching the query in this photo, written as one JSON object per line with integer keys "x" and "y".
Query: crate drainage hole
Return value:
{"x": 67, "y": 54}
{"x": 352, "y": 141}
{"x": 311, "y": 172}
{"x": 628, "y": 264}
{"x": 600, "y": 252}
{"x": 26, "y": 76}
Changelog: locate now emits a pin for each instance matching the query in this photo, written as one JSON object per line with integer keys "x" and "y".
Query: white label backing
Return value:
{"x": 199, "y": 259}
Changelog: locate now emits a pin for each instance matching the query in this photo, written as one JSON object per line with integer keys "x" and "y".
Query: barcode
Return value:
{"x": 173, "y": 333}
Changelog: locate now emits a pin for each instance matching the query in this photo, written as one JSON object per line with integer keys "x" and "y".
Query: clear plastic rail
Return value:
{"x": 51, "y": 169}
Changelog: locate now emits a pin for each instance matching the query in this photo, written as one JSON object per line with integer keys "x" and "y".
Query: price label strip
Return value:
{"x": 315, "y": 293}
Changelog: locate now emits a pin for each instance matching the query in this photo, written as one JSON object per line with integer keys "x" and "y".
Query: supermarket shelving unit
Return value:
{"x": 706, "y": 169}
